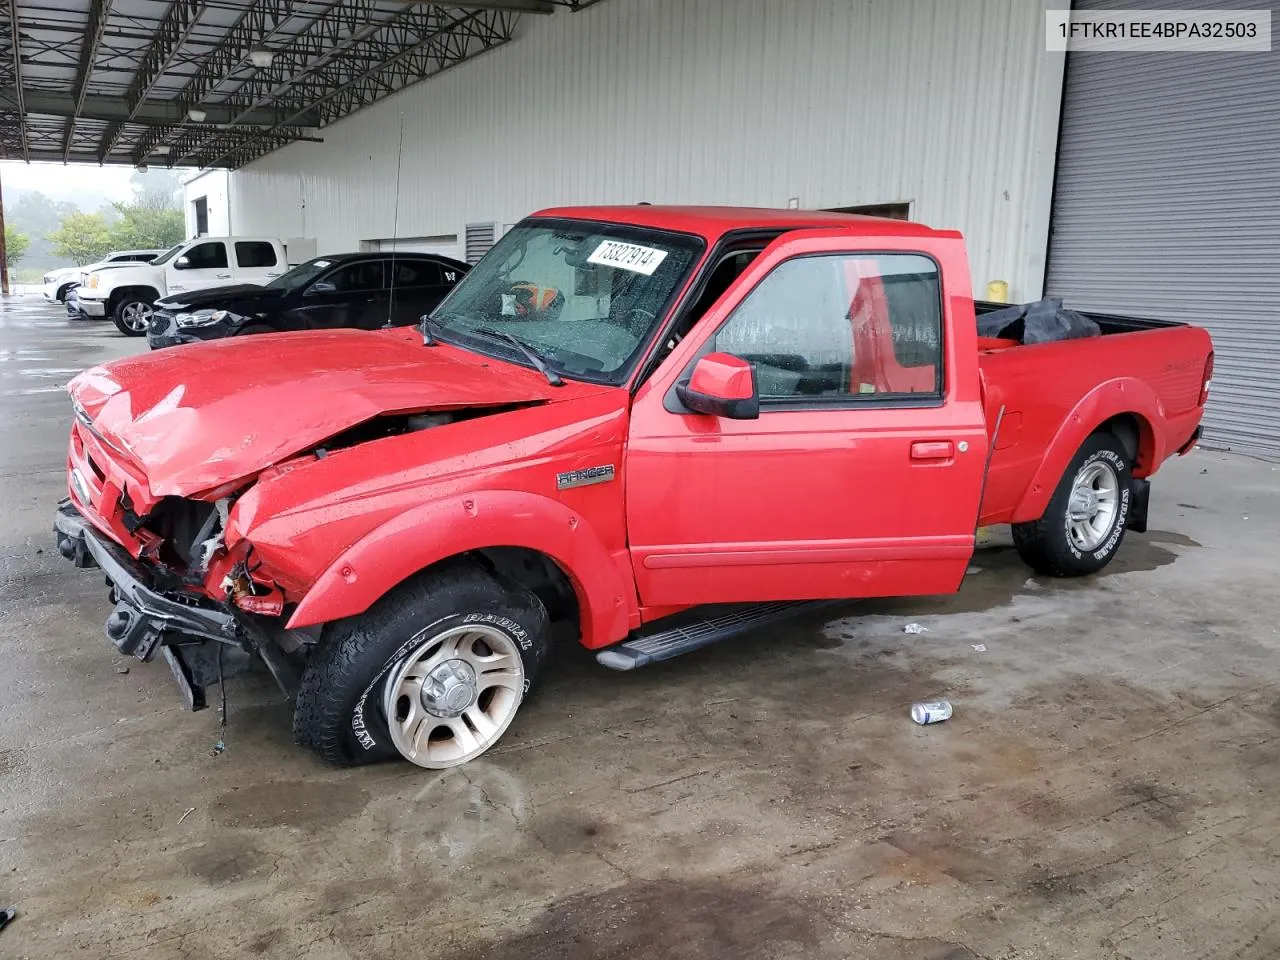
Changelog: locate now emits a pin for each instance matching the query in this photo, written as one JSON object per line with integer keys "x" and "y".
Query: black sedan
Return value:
{"x": 362, "y": 290}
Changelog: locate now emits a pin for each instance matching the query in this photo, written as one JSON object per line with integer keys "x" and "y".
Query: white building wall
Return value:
{"x": 951, "y": 106}
{"x": 215, "y": 187}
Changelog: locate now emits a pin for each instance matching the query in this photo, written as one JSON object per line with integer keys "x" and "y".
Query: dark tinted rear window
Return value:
{"x": 416, "y": 273}
{"x": 255, "y": 253}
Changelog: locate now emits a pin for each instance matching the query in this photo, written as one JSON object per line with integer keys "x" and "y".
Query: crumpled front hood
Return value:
{"x": 202, "y": 416}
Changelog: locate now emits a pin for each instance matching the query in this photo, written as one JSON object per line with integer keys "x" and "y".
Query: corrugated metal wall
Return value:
{"x": 1168, "y": 205}
{"x": 952, "y": 106}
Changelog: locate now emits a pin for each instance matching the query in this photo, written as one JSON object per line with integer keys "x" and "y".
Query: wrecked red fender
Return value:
{"x": 436, "y": 531}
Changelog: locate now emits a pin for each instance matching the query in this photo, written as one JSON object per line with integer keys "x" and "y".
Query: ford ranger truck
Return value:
{"x": 650, "y": 426}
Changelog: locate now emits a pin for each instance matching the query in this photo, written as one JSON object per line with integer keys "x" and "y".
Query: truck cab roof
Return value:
{"x": 713, "y": 222}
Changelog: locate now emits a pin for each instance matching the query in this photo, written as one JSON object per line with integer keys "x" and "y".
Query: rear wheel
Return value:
{"x": 132, "y": 316}
{"x": 434, "y": 672}
{"x": 1084, "y": 523}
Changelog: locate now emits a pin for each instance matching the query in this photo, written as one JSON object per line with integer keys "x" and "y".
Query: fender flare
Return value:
{"x": 435, "y": 531}
{"x": 1123, "y": 395}
{"x": 115, "y": 293}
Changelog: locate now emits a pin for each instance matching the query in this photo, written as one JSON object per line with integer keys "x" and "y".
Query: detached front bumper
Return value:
{"x": 143, "y": 618}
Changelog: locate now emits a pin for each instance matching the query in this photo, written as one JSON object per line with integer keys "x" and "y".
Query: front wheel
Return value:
{"x": 132, "y": 316}
{"x": 1084, "y": 523}
{"x": 434, "y": 672}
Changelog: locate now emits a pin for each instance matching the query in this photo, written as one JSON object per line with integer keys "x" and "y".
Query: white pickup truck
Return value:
{"x": 126, "y": 293}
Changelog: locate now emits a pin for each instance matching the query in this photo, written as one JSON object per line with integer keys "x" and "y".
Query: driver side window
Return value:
{"x": 353, "y": 278}
{"x": 207, "y": 256}
{"x": 841, "y": 326}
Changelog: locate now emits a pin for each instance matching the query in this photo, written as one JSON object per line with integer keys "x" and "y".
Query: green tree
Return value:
{"x": 15, "y": 244}
{"x": 82, "y": 238}
{"x": 149, "y": 223}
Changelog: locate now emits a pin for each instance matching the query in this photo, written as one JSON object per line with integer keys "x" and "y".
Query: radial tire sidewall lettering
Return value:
{"x": 518, "y": 634}
{"x": 1120, "y": 465}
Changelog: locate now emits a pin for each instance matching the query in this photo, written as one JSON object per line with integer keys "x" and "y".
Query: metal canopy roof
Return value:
{"x": 217, "y": 83}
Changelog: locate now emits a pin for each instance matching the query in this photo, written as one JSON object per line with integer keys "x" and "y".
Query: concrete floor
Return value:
{"x": 1105, "y": 789}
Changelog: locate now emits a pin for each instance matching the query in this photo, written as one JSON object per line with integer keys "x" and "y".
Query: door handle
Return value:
{"x": 222, "y": 276}
{"x": 932, "y": 450}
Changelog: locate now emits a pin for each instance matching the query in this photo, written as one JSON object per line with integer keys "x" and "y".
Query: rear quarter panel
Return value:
{"x": 1054, "y": 395}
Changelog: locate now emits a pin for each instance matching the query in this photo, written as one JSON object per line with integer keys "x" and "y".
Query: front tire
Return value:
{"x": 434, "y": 672}
{"x": 132, "y": 316}
{"x": 1084, "y": 523}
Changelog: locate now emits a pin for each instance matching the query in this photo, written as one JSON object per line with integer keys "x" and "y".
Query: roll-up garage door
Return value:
{"x": 445, "y": 246}
{"x": 1167, "y": 204}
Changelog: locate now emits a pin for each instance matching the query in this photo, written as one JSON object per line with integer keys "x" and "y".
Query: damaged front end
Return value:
{"x": 172, "y": 455}
{"x": 184, "y": 581}
{"x": 176, "y": 589}
{"x": 161, "y": 606}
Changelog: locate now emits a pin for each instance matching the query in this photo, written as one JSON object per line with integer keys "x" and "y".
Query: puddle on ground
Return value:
{"x": 1001, "y": 575}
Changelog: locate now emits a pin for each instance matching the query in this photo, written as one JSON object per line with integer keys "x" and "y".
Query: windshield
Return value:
{"x": 301, "y": 275}
{"x": 584, "y": 296}
{"x": 168, "y": 254}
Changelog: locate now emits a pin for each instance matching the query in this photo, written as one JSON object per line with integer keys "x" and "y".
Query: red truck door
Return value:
{"x": 861, "y": 474}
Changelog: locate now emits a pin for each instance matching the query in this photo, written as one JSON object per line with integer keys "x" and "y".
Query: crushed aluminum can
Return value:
{"x": 935, "y": 711}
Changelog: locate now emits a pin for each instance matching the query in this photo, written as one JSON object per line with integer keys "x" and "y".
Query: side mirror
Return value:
{"x": 181, "y": 263}
{"x": 321, "y": 286}
{"x": 722, "y": 385}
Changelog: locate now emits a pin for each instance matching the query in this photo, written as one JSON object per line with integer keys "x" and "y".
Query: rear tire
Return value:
{"x": 1084, "y": 523}
{"x": 439, "y": 631}
{"x": 132, "y": 316}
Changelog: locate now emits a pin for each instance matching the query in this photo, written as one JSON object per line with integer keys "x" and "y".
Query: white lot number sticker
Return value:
{"x": 628, "y": 256}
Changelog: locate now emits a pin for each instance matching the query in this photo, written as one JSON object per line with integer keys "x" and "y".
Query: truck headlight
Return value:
{"x": 93, "y": 281}
{"x": 201, "y": 318}
{"x": 49, "y": 278}
{"x": 81, "y": 413}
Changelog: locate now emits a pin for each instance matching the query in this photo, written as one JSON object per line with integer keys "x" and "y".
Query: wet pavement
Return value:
{"x": 1106, "y": 788}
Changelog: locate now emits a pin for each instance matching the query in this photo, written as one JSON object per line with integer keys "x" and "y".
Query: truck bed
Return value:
{"x": 1158, "y": 366}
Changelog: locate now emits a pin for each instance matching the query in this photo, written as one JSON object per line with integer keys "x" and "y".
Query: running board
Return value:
{"x": 695, "y": 634}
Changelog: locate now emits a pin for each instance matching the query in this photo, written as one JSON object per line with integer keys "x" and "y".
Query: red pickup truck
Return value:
{"x": 656, "y": 425}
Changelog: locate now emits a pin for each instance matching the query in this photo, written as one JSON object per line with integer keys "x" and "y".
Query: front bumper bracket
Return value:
{"x": 142, "y": 615}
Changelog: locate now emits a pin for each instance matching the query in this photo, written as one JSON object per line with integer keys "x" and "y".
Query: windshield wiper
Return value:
{"x": 553, "y": 378}
{"x": 425, "y": 323}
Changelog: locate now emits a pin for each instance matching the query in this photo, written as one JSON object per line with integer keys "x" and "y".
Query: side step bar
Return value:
{"x": 732, "y": 620}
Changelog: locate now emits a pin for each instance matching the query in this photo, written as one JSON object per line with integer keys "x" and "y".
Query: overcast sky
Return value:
{"x": 67, "y": 182}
